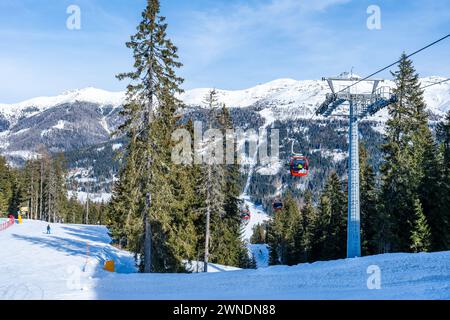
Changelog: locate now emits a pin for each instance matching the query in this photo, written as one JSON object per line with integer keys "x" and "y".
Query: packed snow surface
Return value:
{"x": 67, "y": 265}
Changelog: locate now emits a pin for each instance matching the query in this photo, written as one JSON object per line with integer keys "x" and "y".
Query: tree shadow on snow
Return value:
{"x": 89, "y": 234}
{"x": 78, "y": 247}
{"x": 69, "y": 246}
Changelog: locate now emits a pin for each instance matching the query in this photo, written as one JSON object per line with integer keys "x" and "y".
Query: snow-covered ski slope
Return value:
{"x": 261, "y": 254}
{"x": 257, "y": 213}
{"x": 257, "y": 216}
{"x": 34, "y": 265}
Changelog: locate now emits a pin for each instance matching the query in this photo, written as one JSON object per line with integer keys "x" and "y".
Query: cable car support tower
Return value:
{"x": 360, "y": 106}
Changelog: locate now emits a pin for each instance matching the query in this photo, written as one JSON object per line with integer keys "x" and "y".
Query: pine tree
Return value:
{"x": 6, "y": 187}
{"x": 185, "y": 211}
{"x": 420, "y": 234}
{"x": 430, "y": 193}
{"x": 49, "y": 193}
{"x": 305, "y": 232}
{"x": 407, "y": 140}
{"x": 21, "y": 187}
{"x": 150, "y": 114}
{"x": 259, "y": 234}
{"x": 319, "y": 236}
{"x": 75, "y": 209}
{"x": 443, "y": 134}
{"x": 123, "y": 215}
{"x": 330, "y": 232}
{"x": 212, "y": 186}
{"x": 61, "y": 203}
{"x": 299, "y": 241}
{"x": 282, "y": 231}
{"x": 371, "y": 218}
{"x": 30, "y": 178}
{"x": 196, "y": 203}
{"x": 440, "y": 222}
{"x": 218, "y": 189}
{"x": 235, "y": 249}
{"x": 44, "y": 160}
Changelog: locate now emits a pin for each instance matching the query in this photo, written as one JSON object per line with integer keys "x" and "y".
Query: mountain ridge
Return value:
{"x": 85, "y": 117}
{"x": 194, "y": 97}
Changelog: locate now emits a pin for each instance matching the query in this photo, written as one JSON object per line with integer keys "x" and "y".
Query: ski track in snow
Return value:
{"x": 35, "y": 265}
{"x": 258, "y": 216}
{"x": 257, "y": 213}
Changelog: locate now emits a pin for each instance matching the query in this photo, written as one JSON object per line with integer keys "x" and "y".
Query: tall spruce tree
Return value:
{"x": 31, "y": 181}
{"x": 220, "y": 187}
{"x": 440, "y": 224}
{"x": 407, "y": 140}
{"x": 233, "y": 250}
{"x": 150, "y": 114}
{"x": 196, "y": 203}
{"x": 212, "y": 185}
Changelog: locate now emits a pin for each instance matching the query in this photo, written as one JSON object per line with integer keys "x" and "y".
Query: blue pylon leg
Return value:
{"x": 353, "y": 222}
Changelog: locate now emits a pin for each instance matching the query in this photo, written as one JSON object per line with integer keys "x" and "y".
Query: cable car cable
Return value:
{"x": 433, "y": 84}
{"x": 392, "y": 64}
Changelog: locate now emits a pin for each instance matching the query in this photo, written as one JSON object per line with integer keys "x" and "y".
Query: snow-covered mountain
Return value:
{"x": 304, "y": 95}
{"x": 80, "y": 118}
{"x": 288, "y": 93}
{"x": 89, "y": 94}
{"x": 69, "y": 121}
{"x": 31, "y": 107}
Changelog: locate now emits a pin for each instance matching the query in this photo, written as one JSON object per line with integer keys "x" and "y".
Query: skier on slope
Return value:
{"x": 48, "y": 229}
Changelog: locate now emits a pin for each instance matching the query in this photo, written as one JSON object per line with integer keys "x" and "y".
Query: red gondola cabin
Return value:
{"x": 277, "y": 205}
{"x": 299, "y": 166}
{"x": 245, "y": 215}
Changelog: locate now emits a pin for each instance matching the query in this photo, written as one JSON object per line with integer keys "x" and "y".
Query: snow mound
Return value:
{"x": 197, "y": 266}
{"x": 402, "y": 276}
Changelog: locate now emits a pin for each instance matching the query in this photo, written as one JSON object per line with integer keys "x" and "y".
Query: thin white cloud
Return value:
{"x": 215, "y": 33}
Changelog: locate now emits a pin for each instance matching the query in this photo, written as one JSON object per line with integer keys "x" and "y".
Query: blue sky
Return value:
{"x": 229, "y": 44}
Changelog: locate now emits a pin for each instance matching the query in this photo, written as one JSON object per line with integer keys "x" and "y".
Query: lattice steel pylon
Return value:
{"x": 360, "y": 105}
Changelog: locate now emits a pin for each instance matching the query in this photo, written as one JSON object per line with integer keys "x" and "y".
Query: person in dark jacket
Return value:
{"x": 48, "y": 229}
